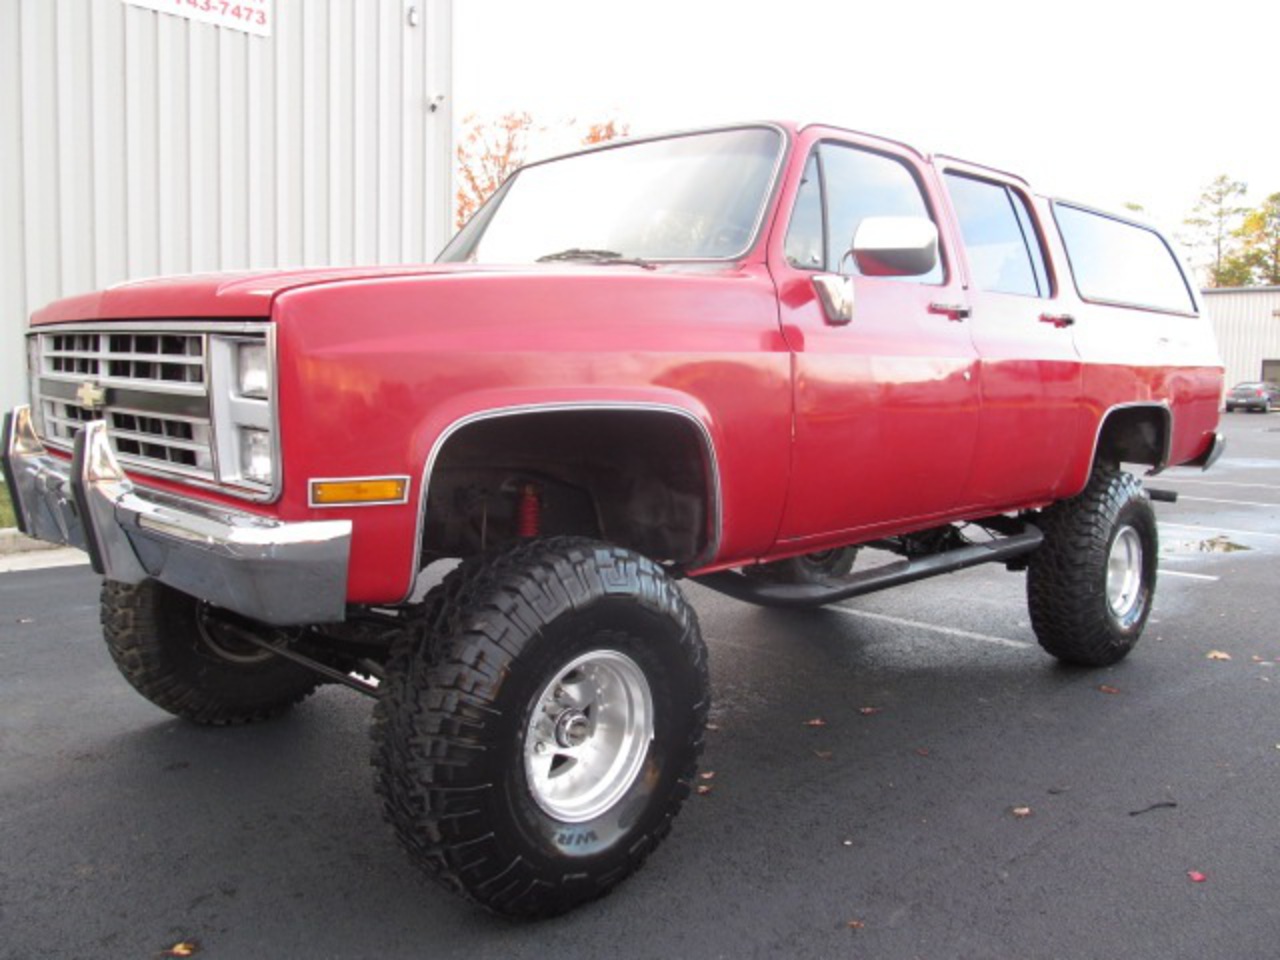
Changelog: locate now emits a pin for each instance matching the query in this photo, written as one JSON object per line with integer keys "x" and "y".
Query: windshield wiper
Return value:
{"x": 595, "y": 256}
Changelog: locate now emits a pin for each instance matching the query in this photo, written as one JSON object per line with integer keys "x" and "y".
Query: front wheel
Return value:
{"x": 1091, "y": 584}
{"x": 534, "y": 742}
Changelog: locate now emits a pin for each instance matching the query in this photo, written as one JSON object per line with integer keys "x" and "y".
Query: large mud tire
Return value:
{"x": 469, "y": 698}
{"x": 1091, "y": 584}
{"x": 172, "y": 650}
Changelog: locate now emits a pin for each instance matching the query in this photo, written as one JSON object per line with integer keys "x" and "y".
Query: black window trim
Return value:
{"x": 816, "y": 153}
{"x": 1102, "y": 301}
{"x": 1046, "y": 263}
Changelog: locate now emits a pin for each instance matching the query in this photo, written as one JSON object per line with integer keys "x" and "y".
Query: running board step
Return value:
{"x": 868, "y": 581}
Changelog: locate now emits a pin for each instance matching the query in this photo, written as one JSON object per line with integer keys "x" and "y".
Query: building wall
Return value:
{"x": 1246, "y": 321}
{"x": 135, "y": 143}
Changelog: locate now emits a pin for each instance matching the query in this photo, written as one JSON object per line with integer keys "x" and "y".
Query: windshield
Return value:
{"x": 694, "y": 197}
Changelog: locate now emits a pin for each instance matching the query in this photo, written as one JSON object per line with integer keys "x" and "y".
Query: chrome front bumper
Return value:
{"x": 276, "y": 572}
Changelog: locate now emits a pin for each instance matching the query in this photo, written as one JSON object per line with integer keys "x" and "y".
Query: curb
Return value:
{"x": 11, "y": 541}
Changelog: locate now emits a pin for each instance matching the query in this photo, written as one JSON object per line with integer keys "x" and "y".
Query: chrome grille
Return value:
{"x": 184, "y": 445}
{"x": 157, "y": 387}
{"x": 177, "y": 358}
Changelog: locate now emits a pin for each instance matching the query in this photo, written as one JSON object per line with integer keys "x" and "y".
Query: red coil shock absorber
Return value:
{"x": 529, "y": 519}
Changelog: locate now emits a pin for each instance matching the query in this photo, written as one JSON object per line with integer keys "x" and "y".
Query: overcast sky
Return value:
{"x": 1103, "y": 102}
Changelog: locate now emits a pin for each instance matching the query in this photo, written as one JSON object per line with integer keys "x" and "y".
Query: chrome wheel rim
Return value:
{"x": 1124, "y": 573}
{"x": 588, "y": 735}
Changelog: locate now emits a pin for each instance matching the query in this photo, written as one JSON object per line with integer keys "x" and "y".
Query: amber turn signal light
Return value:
{"x": 337, "y": 493}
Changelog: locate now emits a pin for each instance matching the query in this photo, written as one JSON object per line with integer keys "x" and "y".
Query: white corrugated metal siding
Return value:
{"x": 1247, "y": 324}
{"x": 136, "y": 143}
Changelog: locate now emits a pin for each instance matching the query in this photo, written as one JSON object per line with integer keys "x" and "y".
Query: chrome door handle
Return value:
{"x": 952, "y": 311}
{"x": 1059, "y": 320}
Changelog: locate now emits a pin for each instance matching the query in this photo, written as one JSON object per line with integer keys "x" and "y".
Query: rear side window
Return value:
{"x": 1119, "y": 262}
{"x": 999, "y": 236}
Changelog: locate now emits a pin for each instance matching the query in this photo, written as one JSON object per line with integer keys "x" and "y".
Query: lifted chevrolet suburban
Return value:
{"x": 746, "y": 357}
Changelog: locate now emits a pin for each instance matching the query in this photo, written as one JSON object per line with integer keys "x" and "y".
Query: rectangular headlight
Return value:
{"x": 256, "y": 463}
{"x": 253, "y": 371}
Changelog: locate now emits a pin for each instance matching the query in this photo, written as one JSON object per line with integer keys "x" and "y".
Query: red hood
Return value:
{"x": 247, "y": 294}
{"x": 226, "y": 295}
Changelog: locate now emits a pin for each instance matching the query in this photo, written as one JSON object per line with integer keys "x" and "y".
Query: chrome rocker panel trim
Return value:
{"x": 276, "y": 572}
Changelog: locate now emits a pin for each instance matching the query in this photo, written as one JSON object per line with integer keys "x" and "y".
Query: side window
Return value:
{"x": 842, "y": 186}
{"x": 804, "y": 244}
{"x": 999, "y": 237}
{"x": 862, "y": 184}
{"x": 1119, "y": 262}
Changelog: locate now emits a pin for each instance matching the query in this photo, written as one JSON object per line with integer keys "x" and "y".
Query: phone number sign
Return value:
{"x": 251, "y": 16}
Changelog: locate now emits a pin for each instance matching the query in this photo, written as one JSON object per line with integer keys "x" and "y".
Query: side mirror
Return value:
{"x": 895, "y": 246}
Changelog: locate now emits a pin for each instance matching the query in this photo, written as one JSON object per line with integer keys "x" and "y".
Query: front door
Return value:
{"x": 885, "y": 406}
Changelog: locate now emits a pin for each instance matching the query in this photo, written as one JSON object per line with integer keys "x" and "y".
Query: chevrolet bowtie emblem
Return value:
{"x": 91, "y": 396}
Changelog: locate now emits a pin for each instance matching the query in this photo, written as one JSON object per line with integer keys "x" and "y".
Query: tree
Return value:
{"x": 1260, "y": 237}
{"x": 1215, "y": 219}
{"x": 604, "y": 132}
{"x": 488, "y": 153}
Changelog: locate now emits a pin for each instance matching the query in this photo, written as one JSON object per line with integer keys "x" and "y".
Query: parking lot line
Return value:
{"x": 1189, "y": 576}
{"x": 1237, "y": 503}
{"x": 933, "y": 627}
{"x": 1219, "y": 483}
{"x": 1220, "y": 530}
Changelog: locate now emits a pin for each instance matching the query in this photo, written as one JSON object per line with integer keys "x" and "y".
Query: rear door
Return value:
{"x": 1030, "y": 371}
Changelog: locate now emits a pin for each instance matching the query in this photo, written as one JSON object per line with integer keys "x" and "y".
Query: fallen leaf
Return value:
{"x": 922, "y": 751}
{"x": 704, "y": 789}
{"x": 186, "y": 948}
{"x": 1217, "y": 655}
{"x": 855, "y": 924}
{"x": 824, "y": 754}
{"x": 1195, "y": 876}
{"x": 1109, "y": 689}
{"x": 869, "y": 711}
{"x": 1162, "y": 805}
{"x": 1021, "y": 812}
{"x": 707, "y": 775}
{"x": 815, "y": 722}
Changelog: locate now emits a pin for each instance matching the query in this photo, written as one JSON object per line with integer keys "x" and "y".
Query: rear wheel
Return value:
{"x": 1091, "y": 584}
{"x": 191, "y": 659}
{"x": 535, "y": 741}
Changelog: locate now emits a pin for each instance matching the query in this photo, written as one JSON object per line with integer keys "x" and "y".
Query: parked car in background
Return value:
{"x": 1253, "y": 395}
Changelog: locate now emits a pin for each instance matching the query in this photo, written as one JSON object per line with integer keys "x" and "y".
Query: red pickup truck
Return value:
{"x": 755, "y": 356}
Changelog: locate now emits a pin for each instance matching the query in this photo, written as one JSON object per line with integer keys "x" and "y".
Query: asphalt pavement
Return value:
{"x": 904, "y": 776}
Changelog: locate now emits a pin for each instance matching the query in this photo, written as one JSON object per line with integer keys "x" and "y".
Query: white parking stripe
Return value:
{"x": 1221, "y": 530}
{"x": 1189, "y": 576}
{"x": 1217, "y": 483}
{"x": 934, "y": 628}
{"x": 1238, "y": 503}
